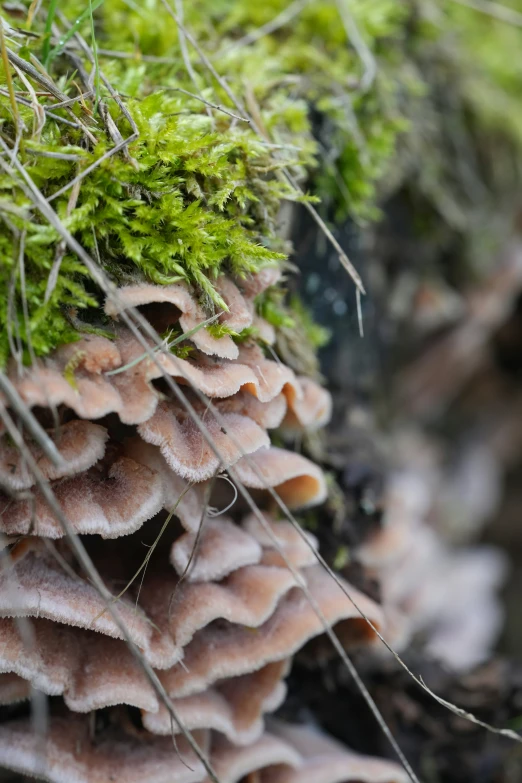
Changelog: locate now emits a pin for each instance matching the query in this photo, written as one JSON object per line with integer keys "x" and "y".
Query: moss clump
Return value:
{"x": 199, "y": 191}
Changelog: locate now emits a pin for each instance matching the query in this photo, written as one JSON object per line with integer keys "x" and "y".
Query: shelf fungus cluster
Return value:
{"x": 208, "y": 598}
{"x": 445, "y": 595}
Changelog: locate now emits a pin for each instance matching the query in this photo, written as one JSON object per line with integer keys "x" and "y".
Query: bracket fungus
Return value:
{"x": 216, "y": 611}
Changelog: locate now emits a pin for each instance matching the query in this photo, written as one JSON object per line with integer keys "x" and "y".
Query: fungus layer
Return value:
{"x": 215, "y": 610}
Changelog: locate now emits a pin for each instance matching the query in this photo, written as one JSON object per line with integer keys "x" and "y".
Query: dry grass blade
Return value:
{"x": 35, "y": 74}
{"x": 496, "y": 10}
{"x": 195, "y": 548}
{"x": 23, "y": 295}
{"x": 60, "y": 248}
{"x": 33, "y": 426}
{"x": 143, "y": 566}
{"x": 343, "y": 258}
{"x": 184, "y": 49}
{"x": 8, "y": 77}
{"x": 87, "y": 171}
{"x": 208, "y": 103}
{"x": 359, "y": 44}
{"x": 81, "y": 98}
{"x": 166, "y": 343}
{"x": 282, "y": 19}
{"x": 39, "y": 113}
{"x": 49, "y": 86}
{"x": 49, "y": 113}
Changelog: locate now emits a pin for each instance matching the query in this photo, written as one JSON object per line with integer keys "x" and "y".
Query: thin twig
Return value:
{"x": 71, "y": 101}
{"x": 87, "y": 171}
{"x": 183, "y": 46}
{"x": 33, "y": 426}
{"x": 49, "y": 113}
{"x": 359, "y": 44}
{"x": 147, "y": 58}
{"x": 495, "y": 10}
{"x": 209, "y": 103}
{"x": 359, "y": 311}
{"x": 283, "y": 18}
{"x": 23, "y": 296}
{"x": 60, "y": 248}
{"x": 9, "y": 79}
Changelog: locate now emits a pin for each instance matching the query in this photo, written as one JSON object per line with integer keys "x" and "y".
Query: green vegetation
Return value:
{"x": 199, "y": 191}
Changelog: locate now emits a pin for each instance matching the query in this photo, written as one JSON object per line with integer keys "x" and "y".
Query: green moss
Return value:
{"x": 199, "y": 191}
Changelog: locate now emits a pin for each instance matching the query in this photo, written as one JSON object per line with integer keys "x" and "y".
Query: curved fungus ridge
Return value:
{"x": 299, "y": 482}
{"x": 268, "y": 415}
{"x": 449, "y": 597}
{"x": 324, "y": 760}
{"x": 80, "y": 444}
{"x": 252, "y": 372}
{"x": 233, "y": 763}
{"x": 35, "y": 585}
{"x": 184, "y": 500}
{"x": 221, "y": 615}
{"x": 94, "y": 672}
{"x": 255, "y": 284}
{"x": 186, "y": 450}
{"x": 169, "y": 614}
{"x": 71, "y": 755}
{"x": 13, "y": 689}
{"x": 240, "y": 310}
{"x": 219, "y": 549}
{"x": 290, "y": 544}
{"x": 111, "y": 505}
{"x": 224, "y": 707}
{"x": 246, "y": 597}
{"x": 74, "y": 376}
{"x": 224, "y": 650}
{"x": 89, "y": 670}
{"x": 184, "y": 309}
{"x": 312, "y": 411}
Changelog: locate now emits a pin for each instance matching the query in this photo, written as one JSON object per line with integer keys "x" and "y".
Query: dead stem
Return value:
{"x": 282, "y": 19}
{"x": 496, "y": 10}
